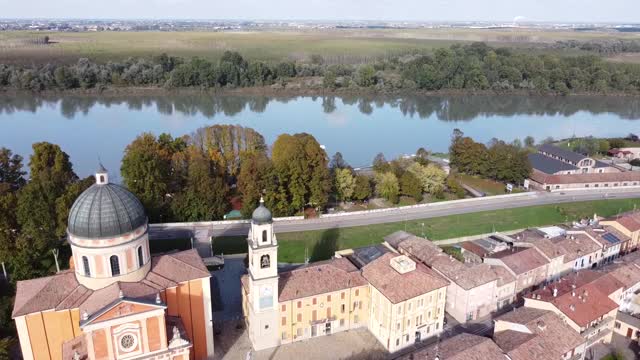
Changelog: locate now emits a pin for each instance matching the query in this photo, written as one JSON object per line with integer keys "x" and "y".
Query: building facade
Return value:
{"x": 116, "y": 301}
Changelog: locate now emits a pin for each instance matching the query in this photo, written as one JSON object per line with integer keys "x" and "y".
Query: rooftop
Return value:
{"x": 630, "y": 221}
{"x": 624, "y": 176}
{"x": 549, "y": 165}
{"x": 576, "y": 246}
{"x": 319, "y": 278}
{"x": 607, "y": 236}
{"x": 521, "y": 259}
{"x": 399, "y": 287}
{"x": 582, "y": 296}
{"x": 460, "y": 347}
{"x": 62, "y": 291}
{"x": 533, "y": 334}
{"x": 562, "y": 153}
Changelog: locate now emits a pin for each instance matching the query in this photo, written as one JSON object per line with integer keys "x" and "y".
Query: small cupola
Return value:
{"x": 102, "y": 176}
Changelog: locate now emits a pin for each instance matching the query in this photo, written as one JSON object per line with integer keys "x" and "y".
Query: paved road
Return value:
{"x": 158, "y": 231}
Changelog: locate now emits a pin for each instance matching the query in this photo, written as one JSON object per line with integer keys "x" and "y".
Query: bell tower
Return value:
{"x": 263, "y": 280}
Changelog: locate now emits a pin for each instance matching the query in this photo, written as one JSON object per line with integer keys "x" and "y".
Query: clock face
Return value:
{"x": 266, "y": 297}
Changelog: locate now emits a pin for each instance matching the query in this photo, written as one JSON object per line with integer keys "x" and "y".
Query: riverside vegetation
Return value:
{"x": 474, "y": 67}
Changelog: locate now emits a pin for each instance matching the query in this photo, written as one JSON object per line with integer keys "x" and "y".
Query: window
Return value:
{"x": 265, "y": 261}
{"x": 314, "y": 301}
{"x": 342, "y": 308}
{"x": 360, "y": 305}
{"x": 140, "y": 257}
{"x": 356, "y": 319}
{"x": 299, "y": 332}
{"x": 85, "y": 265}
{"x": 417, "y": 320}
{"x": 115, "y": 265}
{"x": 328, "y": 298}
{"x": 586, "y": 185}
{"x": 409, "y": 306}
{"x": 284, "y": 320}
{"x": 398, "y": 326}
{"x": 284, "y": 335}
{"x": 314, "y": 315}
{"x": 406, "y": 338}
{"x": 284, "y": 307}
{"x": 342, "y": 296}
{"x": 408, "y": 322}
{"x": 328, "y": 313}
{"x": 341, "y": 322}
{"x": 264, "y": 236}
{"x": 299, "y": 318}
{"x": 128, "y": 343}
{"x": 357, "y": 292}
{"x": 398, "y": 342}
{"x": 101, "y": 179}
{"x": 299, "y": 304}
{"x": 618, "y": 325}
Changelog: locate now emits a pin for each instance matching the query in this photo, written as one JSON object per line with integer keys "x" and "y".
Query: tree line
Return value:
{"x": 460, "y": 67}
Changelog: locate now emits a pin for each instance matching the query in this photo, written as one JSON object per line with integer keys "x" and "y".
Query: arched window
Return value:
{"x": 101, "y": 178}
{"x": 85, "y": 265}
{"x": 140, "y": 257}
{"x": 265, "y": 261}
{"x": 264, "y": 236}
{"x": 115, "y": 265}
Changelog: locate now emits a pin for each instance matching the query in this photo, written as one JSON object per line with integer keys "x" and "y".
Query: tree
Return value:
{"x": 387, "y": 186}
{"x": 411, "y": 186}
{"x": 337, "y": 162}
{"x": 366, "y": 76}
{"x": 380, "y": 164}
{"x": 454, "y": 187}
{"x": 49, "y": 163}
{"x": 529, "y": 141}
{"x": 362, "y": 189}
{"x": 301, "y": 174}
{"x": 146, "y": 172}
{"x": 345, "y": 184}
{"x": 603, "y": 146}
{"x": 616, "y": 143}
{"x": 205, "y": 196}
{"x": 422, "y": 156}
{"x": 65, "y": 201}
{"x": 11, "y": 172}
{"x": 431, "y": 177}
{"x": 224, "y": 144}
{"x": 253, "y": 179}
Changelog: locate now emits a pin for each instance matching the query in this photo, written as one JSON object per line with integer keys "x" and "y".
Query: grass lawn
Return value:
{"x": 487, "y": 186}
{"x": 321, "y": 244}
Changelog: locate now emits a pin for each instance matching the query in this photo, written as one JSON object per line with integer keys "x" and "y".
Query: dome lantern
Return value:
{"x": 261, "y": 215}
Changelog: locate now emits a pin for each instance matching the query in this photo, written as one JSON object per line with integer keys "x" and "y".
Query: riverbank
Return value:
{"x": 321, "y": 245}
{"x": 298, "y": 87}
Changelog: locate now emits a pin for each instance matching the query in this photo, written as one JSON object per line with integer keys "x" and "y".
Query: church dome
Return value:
{"x": 261, "y": 215}
{"x": 105, "y": 210}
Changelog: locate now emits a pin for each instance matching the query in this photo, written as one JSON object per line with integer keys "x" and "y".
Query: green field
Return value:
{"x": 337, "y": 46}
{"x": 320, "y": 245}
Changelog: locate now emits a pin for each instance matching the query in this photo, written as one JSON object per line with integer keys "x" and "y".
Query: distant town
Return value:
{"x": 81, "y": 25}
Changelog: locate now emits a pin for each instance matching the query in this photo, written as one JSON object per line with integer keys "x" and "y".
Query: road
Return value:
{"x": 161, "y": 231}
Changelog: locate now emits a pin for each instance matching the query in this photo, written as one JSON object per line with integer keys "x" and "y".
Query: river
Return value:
{"x": 92, "y": 127}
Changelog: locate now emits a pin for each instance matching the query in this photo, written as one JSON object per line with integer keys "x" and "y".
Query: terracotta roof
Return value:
{"x": 545, "y": 336}
{"x": 400, "y": 287}
{"x": 420, "y": 248}
{"x": 542, "y": 178}
{"x": 630, "y": 221}
{"x": 627, "y": 273}
{"x": 600, "y": 236}
{"x": 521, "y": 260}
{"x": 576, "y": 246}
{"x": 544, "y": 244}
{"x": 474, "y": 248}
{"x": 62, "y": 291}
{"x": 583, "y": 296}
{"x": 460, "y": 347}
{"x": 319, "y": 278}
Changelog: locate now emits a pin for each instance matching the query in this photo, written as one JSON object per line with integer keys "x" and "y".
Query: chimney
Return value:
{"x": 572, "y": 307}
{"x": 555, "y": 292}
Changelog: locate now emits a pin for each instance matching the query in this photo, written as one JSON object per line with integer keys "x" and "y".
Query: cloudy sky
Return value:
{"x": 415, "y": 10}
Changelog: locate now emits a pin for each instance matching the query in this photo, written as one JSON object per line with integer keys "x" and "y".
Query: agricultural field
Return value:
{"x": 336, "y": 46}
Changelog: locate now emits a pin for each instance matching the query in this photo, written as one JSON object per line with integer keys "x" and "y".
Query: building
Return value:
{"x": 554, "y": 254}
{"x": 527, "y": 264}
{"x": 460, "y": 347}
{"x": 117, "y": 301}
{"x": 399, "y": 301}
{"x": 581, "y": 251}
{"x": 629, "y": 225}
{"x": 474, "y": 290}
{"x": 610, "y": 240}
{"x": 627, "y": 154}
{"x": 584, "y": 300}
{"x": 627, "y": 325}
{"x": 535, "y": 334}
{"x": 556, "y": 168}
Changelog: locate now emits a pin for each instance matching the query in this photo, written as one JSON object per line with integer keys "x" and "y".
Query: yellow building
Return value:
{"x": 399, "y": 301}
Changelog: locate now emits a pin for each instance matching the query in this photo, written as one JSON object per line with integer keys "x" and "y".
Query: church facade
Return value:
{"x": 117, "y": 301}
{"x": 399, "y": 301}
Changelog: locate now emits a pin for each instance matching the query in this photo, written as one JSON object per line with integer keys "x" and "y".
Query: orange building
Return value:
{"x": 117, "y": 301}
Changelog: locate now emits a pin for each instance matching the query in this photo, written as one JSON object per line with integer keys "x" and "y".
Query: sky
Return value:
{"x": 409, "y": 10}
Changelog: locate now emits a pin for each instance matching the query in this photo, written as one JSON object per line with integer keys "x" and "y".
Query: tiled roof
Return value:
{"x": 400, "y": 287}
{"x": 546, "y": 337}
{"x": 600, "y": 236}
{"x": 576, "y": 246}
{"x": 632, "y": 320}
{"x": 420, "y": 248}
{"x": 549, "y": 165}
{"x": 62, "y": 291}
{"x": 521, "y": 260}
{"x": 583, "y": 296}
{"x": 630, "y": 221}
{"x": 319, "y": 278}
{"x": 460, "y": 347}
{"x": 627, "y": 273}
{"x": 545, "y": 245}
{"x": 542, "y": 178}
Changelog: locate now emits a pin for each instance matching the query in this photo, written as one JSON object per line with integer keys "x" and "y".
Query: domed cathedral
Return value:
{"x": 117, "y": 301}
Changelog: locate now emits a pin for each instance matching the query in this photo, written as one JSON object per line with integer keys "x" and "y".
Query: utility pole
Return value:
{"x": 55, "y": 257}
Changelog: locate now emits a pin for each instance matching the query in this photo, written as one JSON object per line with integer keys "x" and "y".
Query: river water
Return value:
{"x": 92, "y": 127}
